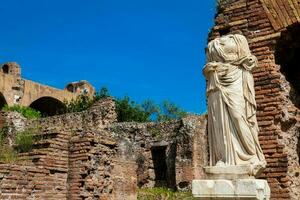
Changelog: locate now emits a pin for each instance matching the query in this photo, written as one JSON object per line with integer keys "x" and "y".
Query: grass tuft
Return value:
{"x": 24, "y": 141}
{"x": 163, "y": 194}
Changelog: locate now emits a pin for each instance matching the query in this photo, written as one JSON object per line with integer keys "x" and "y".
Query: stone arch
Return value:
{"x": 2, "y": 101}
{"x": 48, "y": 106}
{"x": 287, "y": 54}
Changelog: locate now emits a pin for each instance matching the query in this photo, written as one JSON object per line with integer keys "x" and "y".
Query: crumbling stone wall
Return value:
{"x": 180, "y": 147}
{"x": 264, "y": 23}
{"x": 88, "y": 155}
{"x": 74, "y": 158}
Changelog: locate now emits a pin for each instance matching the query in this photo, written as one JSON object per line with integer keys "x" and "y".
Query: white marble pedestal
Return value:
{"x": 248, "y": 189}
{"x": 230, "y": 183}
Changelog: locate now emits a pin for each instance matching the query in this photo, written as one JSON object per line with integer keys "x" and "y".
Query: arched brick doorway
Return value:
{"x": 48, "y": 106}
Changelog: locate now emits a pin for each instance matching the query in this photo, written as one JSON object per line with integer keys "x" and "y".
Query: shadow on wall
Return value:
{"x": 287, "y": 54}
{"x": 2, "y": 101}
{"x": 48, "y": 106}
{"x": 298, "y": 151}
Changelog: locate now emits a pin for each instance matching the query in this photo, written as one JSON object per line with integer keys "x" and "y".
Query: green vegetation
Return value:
{"x": 7, "y": 154}
{"x": 79, "y": 104}
{"x": 3, "y": 134}
{"x": 24, "y": 140}
{"x": 170, "y": 111}
{"x": 163, "y": 194}
{"x": 23, "y": 143}
{"x": 27, "y": 112}
{"x": 103, "y": 93}
{"x": 83, "y": 102}
{"x": 128, "y": 110}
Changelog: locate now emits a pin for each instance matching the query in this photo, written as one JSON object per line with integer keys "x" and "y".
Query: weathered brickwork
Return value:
{"x": 88, "y": 155}
{"x": 73, "y": 158}
{"x": 266, "y": 23}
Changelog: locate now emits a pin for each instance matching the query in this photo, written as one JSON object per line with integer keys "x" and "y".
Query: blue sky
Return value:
{"x": 140, "y": 48}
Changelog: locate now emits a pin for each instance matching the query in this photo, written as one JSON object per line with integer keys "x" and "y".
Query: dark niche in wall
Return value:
{"x": 287, "y": 55}
{"x": 2, "y": 101}
{"x": 163, "y": 158}
{"x": 160, "y": 165}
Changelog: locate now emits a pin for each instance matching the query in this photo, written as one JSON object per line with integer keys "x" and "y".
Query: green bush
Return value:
{"x": 3, "y": 134}
{"x": 27, "y": 112}
{"x": 79, "y": 104}
{"x": 163, "y": 193}
{"x": 24, "y": 141}
{"x": 83, "y": 102}
{"x": 128, "y": 110}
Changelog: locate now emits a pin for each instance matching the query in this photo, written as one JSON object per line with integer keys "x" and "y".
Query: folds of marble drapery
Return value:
{"x": 232, "y": 124}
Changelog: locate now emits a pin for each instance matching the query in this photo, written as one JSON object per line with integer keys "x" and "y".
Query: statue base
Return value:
{"x": 242, "y": 189}
{"x": 230, "y": 182}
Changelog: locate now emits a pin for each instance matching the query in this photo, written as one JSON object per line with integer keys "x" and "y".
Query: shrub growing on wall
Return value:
{"x": 27, "y": 112}
{"x": 24, "y": 141}
{"x": 128, "y": 110}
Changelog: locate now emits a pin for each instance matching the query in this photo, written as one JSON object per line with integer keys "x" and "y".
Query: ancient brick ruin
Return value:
{"x": 14, "y": 90}
{"x": 272, "y": 29}
{"x": 88, "y": 155}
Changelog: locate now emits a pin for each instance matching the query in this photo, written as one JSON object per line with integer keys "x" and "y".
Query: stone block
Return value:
{"x": 242, "y": 189}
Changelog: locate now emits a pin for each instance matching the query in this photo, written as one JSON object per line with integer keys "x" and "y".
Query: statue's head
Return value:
{"x": 227, "y": 49}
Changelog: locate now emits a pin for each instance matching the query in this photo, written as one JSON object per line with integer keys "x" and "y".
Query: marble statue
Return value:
{"x": 236, "y": 158}
{"x": 232, "y": 124}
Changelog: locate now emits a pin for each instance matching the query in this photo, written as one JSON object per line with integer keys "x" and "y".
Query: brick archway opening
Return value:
{"x": 2, "y": 101}
{"x": 287, "y": 55}
{"x": 48, "y": 106}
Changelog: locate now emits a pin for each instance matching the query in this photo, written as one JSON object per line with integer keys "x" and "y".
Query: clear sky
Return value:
{"x": 142, "y": 48}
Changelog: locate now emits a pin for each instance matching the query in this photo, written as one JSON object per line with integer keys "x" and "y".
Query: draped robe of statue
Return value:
{"x": 232, "y": 124}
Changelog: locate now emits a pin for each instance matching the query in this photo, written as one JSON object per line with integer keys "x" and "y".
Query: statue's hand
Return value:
{"x": 249, "y": 62}
{"x": 210, "y": 67}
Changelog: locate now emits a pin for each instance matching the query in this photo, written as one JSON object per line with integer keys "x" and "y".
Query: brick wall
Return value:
{"x": 73, "y": 159}
{"x": 87, "y": 155}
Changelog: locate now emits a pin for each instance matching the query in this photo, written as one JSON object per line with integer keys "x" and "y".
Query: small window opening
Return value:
{"x": 5, "y": 69}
